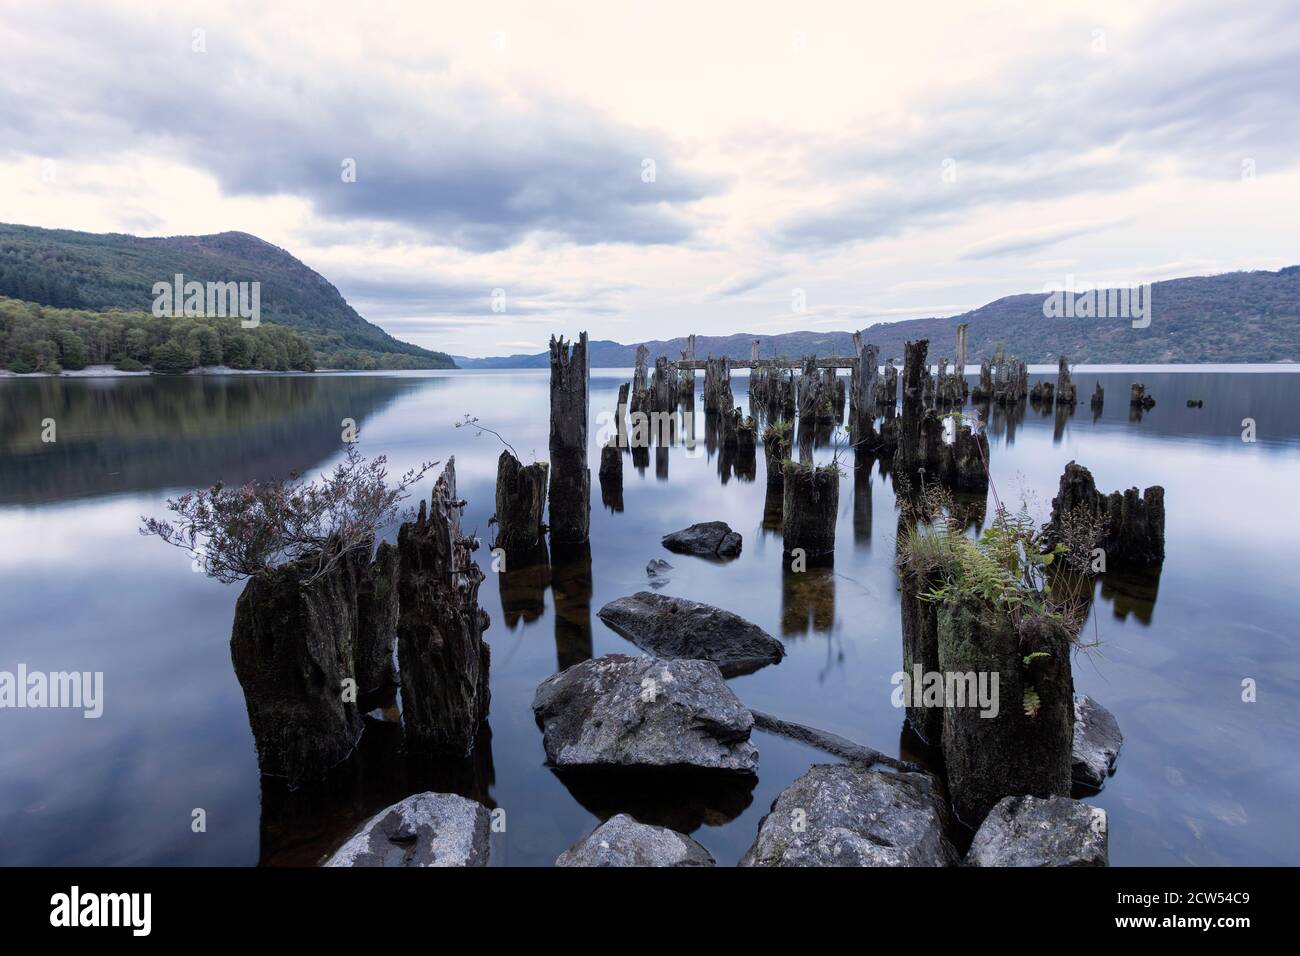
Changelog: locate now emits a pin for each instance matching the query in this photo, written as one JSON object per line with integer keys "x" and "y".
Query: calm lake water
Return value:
{"x": 1204, "y": 778}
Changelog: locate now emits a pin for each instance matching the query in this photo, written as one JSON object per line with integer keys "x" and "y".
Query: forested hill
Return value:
{"x": 88, "y": 271}
{"x": 1236, "y": 317}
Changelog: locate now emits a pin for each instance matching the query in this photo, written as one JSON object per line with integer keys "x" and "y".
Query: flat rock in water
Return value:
{"x": 621, "y": 841}
{"x": 710, "y": 539}
{"x": 619, "y": 711}
{"x": 425, "y": 829}
{"x": 674, "y": 627}
{"x": 848, "y": 815}
{"x": 1097, "y": 741}
{"x": 1038, "y": 831}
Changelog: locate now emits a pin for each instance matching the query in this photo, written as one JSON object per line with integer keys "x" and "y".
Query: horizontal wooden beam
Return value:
{"x": 830, "y": 361}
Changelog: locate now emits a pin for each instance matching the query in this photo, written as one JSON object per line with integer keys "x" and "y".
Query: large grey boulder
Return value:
{"x": 674, "y": 627}
{"x": 1097, "y": 741}
{"x": 1036, "y": 831}
{"x": 848, "y": 815}
{"x": 709, "y": 539}
{"x": 621, "y": 841}
{"x": 618, "y": 711}
{"x": 425, "y": 829}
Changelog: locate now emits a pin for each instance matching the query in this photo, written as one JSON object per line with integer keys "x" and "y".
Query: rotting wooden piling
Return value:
{"x": 570, "y": 493}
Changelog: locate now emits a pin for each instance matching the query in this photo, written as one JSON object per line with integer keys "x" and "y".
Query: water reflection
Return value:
{"x": 571, "y": 584}
{"x": 299, "y": 827}
{"x": 682, "y": 800}
{"x": 130, "y": 435}
{"x": 862, "y": 500}
{"x": 1132, "y": 593}
{"x": 80, "y": 588}
{"x": 523, "y": 582}
{"x": 807, "y": 600}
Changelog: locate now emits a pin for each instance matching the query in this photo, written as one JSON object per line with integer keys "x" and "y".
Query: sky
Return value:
{"x": 642, "y": 170}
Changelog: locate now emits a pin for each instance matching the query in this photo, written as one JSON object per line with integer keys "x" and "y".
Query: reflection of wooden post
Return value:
{"x": 570, "y": 495}
{"x": 523, "y": 582}
{"x": 572, "y": 586}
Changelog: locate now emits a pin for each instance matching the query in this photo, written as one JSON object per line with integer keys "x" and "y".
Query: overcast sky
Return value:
{"x": 878, "y": 161}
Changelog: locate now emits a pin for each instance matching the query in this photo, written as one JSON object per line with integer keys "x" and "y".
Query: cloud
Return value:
{"x": 1028, "y": 241}
{"x": 1070, "y": 122}
{"x": 447, "y": 159}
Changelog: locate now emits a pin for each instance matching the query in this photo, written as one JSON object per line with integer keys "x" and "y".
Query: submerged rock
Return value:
{"x": 674, "y": 627}
{"x": 425, "y": 829}
{"x": 1097, "y": 741}
{"x": 848, "y": 815}
{"x": 621, "y": 841}
{"x": 1032, "y": 831}
{"x": 619, "y": 711}
{"x": 657, "y": 570}
{"x": 709, "y": 539}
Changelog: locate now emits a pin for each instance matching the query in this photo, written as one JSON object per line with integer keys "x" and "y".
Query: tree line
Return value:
{"x": 38, "y": 338}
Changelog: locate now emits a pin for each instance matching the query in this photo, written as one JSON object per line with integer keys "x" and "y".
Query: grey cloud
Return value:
{"x": 1036, "y": 240}
{"x": 1067, "y": 122}
{"x": 451, "y": 162}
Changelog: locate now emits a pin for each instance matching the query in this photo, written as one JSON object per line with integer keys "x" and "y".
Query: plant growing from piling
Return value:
{"x": 237, "y": 532}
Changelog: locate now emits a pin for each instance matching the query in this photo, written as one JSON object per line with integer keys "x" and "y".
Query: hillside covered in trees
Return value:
{"x": 1236, "y": 317}
{"x": 96, "y": 273}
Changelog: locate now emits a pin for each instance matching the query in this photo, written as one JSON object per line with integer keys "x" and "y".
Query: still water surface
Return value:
{"x": 1203, "y": 778}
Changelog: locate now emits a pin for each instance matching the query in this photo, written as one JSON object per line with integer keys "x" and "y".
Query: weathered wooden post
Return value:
{"x": 1134, "y": 523}
{"x": 809, "y": 508}
{"x": 442, "y": 657}
{"x": 521, "y": 496}
{"x": 984, "y": 390}
{"x": 1138, "y": 396}
{"x": 639, "y": 370}
{"x": 887, "y": 396}
{"x": 611, "y": 456}
{"x": 853, "y": 379}
{"x": 776, "y": 450}
{"x": 915, "y": 374}
{"x": 865, "y": 373}
{"x": 570, "y": 494}
{"x": 960, "y": 368}
{"x": 1065, "y": 390}
{"x": 1020, "y": 744}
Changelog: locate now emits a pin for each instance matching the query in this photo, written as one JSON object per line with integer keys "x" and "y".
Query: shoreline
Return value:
{"x": 108, "y": 371}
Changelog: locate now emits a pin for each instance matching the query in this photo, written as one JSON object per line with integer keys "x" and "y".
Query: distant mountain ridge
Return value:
{"x": 66, "y": 269}
{"x": 1236, "y": 317}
